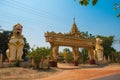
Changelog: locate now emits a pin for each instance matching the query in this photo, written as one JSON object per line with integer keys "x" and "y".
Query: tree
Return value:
{"x": 68, "y": 56}
{"x": 26, "y": 48}
{"x": 87, "y": 35}
{"x": 115, "y": 57}
{"x": 86, "y": 2}
{"x": 116, "y": 7}
{"x": 38, "y": 55}
{"x": 4, "y": 39}
{"x": 83, "y": 56}
{"x": 61, "y": 56}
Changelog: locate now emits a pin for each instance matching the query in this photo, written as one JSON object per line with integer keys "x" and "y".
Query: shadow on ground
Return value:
{"x": 82, "y": 66}
{"x": 94, "y": 66}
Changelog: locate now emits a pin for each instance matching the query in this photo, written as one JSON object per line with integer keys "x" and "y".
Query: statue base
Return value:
{"x": 53, "y": 63}
{"x": 12, "y": 61}
{"x": 92, "y": 61}
{"x": 75, "y": 63}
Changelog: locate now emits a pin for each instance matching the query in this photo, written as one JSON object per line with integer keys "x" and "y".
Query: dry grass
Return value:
{"x": 17, "y": 73}
{"x": 63, "y": 72}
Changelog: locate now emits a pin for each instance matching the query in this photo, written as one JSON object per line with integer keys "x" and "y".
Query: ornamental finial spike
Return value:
{"x": 74, "y": 19}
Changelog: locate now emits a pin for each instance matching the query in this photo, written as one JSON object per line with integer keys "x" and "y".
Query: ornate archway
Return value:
{"x": 74, "y": 39}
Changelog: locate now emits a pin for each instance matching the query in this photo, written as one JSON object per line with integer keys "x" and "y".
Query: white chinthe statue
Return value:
{"x": 98, "y": 52}
{"x": 16, "y": 44}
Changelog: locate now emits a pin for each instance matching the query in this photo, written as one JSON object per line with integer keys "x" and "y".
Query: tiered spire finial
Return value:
{"x": 74, "y": 28}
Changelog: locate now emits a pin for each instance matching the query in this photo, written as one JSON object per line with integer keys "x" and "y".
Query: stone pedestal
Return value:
{"x": 75, "y": 63}
{"x": 92, "y": 61}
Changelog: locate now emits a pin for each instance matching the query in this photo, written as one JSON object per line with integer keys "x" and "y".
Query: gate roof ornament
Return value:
{"x": 74, "y": 29}
{"x": 75, "y": 32}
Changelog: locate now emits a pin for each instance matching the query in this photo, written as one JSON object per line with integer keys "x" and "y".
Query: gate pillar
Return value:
{"x": 53, "y": 55}
{"x": 91, "y": 55}
{"x": 75, "y": 55}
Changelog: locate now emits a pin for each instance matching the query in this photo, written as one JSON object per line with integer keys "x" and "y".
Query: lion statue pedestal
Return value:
{"x": 16, "y": 44}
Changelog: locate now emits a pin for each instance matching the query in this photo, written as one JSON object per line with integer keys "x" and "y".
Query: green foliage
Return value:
{"x": 69, "y": 57}
{"x": 94, "y": 2}
{"x": 116, "y": 7}
{"x": 67, "y": 50}
{"x": 115, "y": 57}
{"x": 60, "y": 57}
{"x": 83, "y": 56}
{"x": 26, "y": 48}
{"x": 17, "y": 63}
{"x": 38, "y": 54}
{"x": 4, "y": 39}
{"x": 86, "y": 2}
{"x": 87, "y": 35}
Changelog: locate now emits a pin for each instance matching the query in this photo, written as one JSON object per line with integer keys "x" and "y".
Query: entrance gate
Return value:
{"x": 74, "y": 39}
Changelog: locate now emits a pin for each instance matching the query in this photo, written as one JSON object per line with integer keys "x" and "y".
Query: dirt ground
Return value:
{"x": 63, "y": 72}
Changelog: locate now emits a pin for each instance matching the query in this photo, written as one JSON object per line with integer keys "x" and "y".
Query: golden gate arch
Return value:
{"x": 73, "y": 39}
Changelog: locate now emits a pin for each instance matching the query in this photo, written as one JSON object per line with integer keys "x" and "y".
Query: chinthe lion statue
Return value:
{"x": 98, "y": 52}
{"x": 16, "y": 44}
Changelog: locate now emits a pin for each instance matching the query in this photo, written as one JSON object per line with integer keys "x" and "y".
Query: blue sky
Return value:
{"x": 40, "y": 16}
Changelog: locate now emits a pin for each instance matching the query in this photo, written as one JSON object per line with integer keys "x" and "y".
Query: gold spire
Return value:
{"x": 74, "y": 29}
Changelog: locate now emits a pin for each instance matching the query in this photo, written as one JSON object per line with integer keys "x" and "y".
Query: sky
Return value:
{"x": 40, "y": 16}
